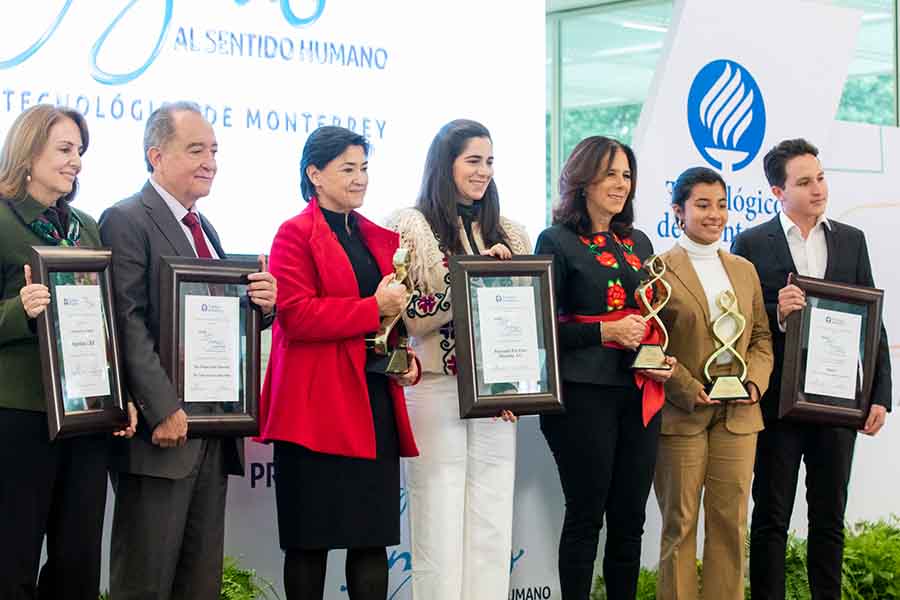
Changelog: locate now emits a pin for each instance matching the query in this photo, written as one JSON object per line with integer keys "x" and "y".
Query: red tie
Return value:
{"x": 193, "y": 223}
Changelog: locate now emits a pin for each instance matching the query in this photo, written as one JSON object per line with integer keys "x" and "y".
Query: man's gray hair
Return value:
{"x": 161, "y": 125}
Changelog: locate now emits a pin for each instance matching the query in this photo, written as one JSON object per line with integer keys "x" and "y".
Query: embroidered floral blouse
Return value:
{"x": 593, "y": 275}
{"x": 429, "y": 316}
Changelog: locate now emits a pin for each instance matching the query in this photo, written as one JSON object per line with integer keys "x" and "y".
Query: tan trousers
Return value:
{"x": 719, "y": 464}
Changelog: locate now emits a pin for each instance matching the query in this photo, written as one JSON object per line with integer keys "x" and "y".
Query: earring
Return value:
{"x": 28, "y": 177}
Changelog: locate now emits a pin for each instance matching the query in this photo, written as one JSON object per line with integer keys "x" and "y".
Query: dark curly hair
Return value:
{"x": 579, "y": 171}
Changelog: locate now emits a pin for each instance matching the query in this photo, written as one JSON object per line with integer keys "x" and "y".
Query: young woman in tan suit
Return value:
{"x": 707, "y": 447}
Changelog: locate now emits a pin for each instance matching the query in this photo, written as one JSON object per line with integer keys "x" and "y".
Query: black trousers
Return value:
{"x": 606, "y": 458}
{"x": 168, "y": 535}
{"x": 55, "y": 489}
{"x": 827, "y": 453}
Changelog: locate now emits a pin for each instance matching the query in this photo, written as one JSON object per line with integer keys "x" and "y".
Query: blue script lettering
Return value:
{"x": 108, "y": 78}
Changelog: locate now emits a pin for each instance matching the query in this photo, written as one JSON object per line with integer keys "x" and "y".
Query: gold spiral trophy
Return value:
{"x": 391, "y": 356}
{"x": 727, "y": 387}
{"x": 653, "y": 356}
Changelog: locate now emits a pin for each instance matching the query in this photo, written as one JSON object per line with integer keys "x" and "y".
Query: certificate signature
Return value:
{"x": 211, "y": 349}
{"x": 508, "y": 334}
{"x": 82, "y": 336}
{"x": 832, "y": 359}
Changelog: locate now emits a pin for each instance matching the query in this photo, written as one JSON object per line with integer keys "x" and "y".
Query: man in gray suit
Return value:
{"x": 168, "y": 527}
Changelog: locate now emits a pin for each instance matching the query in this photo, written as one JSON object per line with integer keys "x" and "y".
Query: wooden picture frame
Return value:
{"x": 181, "y": 278}
{"x": 519, "y": 334}
{"x": 833, "y": 313}
{"x": 76, "y": 335}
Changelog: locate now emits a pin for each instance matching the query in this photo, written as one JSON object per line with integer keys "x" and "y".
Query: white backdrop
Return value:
{"x": 394, "y": 72}
{"x": 793, "y": 56}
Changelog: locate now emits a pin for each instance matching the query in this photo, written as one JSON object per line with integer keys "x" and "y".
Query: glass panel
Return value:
{"x": 608, "y": 60}
{"x": 609, "y": 56}
{"x": 549, "y": 117}
{"x": 844, "y": 308}
{"x": 870, "y": 90}
{"x": 213, "y": 359}
{"x": 509, "y": 332}
{"x": 83, "y": 345}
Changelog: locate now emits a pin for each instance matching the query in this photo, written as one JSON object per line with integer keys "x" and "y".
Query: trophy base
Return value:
{"x": 395, "y": 362}
{"x": 727, "y": 388}
{"x": 650, "y": 356}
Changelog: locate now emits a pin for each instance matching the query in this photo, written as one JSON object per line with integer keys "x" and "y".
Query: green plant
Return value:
{"x": 872, "y": 561}
{"x": 796, "y": 584}
{"x": 646, "y": 587}
{"x": 871, "y": 569}
{"x": 239, "y": 583}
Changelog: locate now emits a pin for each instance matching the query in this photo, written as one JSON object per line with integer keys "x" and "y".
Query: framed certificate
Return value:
{"x": 77, "y": 338}
{"x": 504, "y": 318}
{"x": 830, "y": 351}
{"x": 210, "y": 343}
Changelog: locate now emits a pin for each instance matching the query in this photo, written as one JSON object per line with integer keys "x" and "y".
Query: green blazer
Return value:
{"x": 20, "y": 360}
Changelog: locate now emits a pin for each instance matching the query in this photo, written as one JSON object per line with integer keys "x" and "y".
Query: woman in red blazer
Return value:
{"x": 338, "y": 430}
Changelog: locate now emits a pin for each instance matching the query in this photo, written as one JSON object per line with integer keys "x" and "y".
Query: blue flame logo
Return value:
{"x": 726, "y": 115}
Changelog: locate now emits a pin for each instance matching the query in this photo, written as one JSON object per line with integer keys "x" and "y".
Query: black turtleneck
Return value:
{"x": 469, "y": 213}
{"x": 345, "y": 227}
{"x": 368, "y": 276}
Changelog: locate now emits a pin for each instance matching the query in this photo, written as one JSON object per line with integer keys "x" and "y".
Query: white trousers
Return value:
{"x": 461, "y": 497}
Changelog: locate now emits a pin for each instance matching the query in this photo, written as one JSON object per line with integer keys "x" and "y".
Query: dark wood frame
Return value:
{"x": 796, "y": 405}
{"x": 177, "y": 270}
{"x": 471, "y": 404}
{"x": 55, "y": 259}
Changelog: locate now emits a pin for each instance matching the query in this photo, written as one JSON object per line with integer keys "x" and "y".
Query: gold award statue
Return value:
{"x": 651, "y": 355}
{"x": 727, "y": 387}
{"x": 391, "y": 356}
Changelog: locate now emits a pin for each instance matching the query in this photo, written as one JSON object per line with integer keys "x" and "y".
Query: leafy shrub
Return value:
{"x": 871, "y": 568}
{"x": 239, "y": 583}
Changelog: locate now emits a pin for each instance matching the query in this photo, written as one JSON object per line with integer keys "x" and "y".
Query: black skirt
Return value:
{"x": 329, "y": 501}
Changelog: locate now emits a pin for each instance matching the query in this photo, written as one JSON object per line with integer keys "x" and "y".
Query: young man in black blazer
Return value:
{"x": 802, "y": 240}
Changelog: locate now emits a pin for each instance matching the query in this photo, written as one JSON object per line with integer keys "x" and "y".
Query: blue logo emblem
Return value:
{"x": 726, "y": 115}
{"x": 105, "y": 77}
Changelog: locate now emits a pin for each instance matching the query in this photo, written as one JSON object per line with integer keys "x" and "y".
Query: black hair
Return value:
{"x": 685, "y": 183}
{"x": 322, "y": 146}
{"x": 438, "y": 195}
{"x": 776, "y": 159}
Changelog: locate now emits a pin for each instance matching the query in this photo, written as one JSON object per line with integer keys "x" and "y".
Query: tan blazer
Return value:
{"x": 686, "y": 317}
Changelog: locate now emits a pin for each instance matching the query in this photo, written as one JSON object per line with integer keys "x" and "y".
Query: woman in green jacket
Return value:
{"x": 57, "y": 489}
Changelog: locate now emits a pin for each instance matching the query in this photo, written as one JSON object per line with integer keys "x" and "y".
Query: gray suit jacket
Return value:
{"x": 140, "y": 230}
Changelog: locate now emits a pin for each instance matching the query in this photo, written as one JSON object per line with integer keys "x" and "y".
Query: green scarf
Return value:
{"x": 48, "y": 232}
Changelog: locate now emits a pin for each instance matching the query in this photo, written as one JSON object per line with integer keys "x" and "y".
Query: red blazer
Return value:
{"x": 315, "y": 392}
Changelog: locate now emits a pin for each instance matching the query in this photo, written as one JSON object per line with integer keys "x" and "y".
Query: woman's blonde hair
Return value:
{"x": 26, "y": 139}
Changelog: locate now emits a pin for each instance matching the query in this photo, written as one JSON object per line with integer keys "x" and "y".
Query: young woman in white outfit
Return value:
{"x": 461, "y": 485}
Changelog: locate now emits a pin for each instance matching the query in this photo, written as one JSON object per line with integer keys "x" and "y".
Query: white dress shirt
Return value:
{"x": 714, "y": 279}
{"x": 810, "y": 255}
{"x": 179, "y": 212}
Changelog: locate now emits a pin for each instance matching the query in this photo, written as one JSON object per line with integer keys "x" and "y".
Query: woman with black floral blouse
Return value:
{"x": 605, "y": 443}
